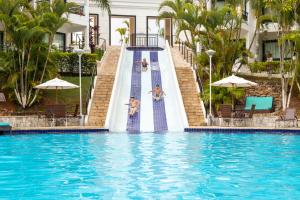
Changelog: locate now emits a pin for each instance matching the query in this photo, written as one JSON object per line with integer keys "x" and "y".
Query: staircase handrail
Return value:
{"x": 91, "y": 87}
{"x": 187, "y": 53}
{"x": 102, "y": 46}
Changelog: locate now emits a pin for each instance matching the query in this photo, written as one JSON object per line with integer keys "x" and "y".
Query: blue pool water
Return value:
{"x": 150, "y": 166}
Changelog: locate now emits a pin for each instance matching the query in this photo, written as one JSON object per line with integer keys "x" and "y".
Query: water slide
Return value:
{"x": 168, "y": 114}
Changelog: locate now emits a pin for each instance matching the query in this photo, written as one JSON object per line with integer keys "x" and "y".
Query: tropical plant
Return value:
{"x": 218, "y": 29}
{"x": 123, "y": 31}
{"x": 285, "y": 13}
{"x": 29, "y": 32}
{"x": 295, "y": 62}
{"x": 174, "y": 9}
{"x": 104, "y": 5}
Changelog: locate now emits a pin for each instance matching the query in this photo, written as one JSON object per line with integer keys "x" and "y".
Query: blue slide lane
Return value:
{"x": 133, "y": 123}
{"x": 159, "y": 112}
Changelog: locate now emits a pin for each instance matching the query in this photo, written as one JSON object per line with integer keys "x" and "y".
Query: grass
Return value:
{"x": 68, "y": 97}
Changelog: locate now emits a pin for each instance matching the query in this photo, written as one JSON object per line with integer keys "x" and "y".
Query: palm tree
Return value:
{"x": 26, "y": 29}
{"x": 104, "y": 5}
{"x": 173, "y": 9}
{"x": 284, "y": 13}
{"x": 53, "y": 19}
{"x": 191, "y": 21}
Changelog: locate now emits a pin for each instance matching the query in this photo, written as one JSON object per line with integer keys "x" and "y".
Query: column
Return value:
{"x": 87, "y": 29}
{"x": 132, "y": 31}
{"x": 168, "y": 30}
{"x": 209, "y": 4}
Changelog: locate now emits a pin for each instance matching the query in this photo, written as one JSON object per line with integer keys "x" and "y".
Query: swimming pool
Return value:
{"x": 150, "y": 166}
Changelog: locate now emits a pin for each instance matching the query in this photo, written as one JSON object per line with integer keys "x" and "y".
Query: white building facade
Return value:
{"x": 141, "y": 17}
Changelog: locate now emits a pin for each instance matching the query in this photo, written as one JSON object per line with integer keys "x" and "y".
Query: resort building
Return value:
{"x": 143, "y": 28}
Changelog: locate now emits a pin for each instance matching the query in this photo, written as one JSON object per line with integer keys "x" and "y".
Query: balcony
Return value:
{"x": 77, "y": 18}
{"x": 270, "y": 27}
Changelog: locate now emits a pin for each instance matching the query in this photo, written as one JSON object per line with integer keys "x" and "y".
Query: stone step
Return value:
{"x": 188, "y": 87}
{"x": 103, "y": 89}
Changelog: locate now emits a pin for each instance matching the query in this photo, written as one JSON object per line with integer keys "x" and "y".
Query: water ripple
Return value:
{"x": 150, "y": 166}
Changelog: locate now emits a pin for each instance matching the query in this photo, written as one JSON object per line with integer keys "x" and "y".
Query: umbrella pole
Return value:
{"x": 56, "y": 96}
{"x": 232, "y": 101}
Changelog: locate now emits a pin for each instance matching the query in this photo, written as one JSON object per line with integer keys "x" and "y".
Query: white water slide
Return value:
{"x": 167, "y": 114}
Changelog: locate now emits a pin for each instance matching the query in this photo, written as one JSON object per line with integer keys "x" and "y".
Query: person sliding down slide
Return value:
{"x": 157, "y": 93}
{"x": 144, "y": 64}
{"x": 134, "y": 106}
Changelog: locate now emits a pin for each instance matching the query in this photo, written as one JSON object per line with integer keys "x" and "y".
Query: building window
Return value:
{"x": 219, "y": 3}
{"x": 244, "y": 10}
{"x": 1, "y": 41}
{"x": 271, "y": 48}
{"x": 94, "y": 29}
{"x": 60, "y": 41}
{"x": 1, "y": 38}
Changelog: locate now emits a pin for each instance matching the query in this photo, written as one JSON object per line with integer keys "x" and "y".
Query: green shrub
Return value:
{"x": 99, "y": 53}
{"x": 67, "y": 63}
{"x": 272, "y": 67}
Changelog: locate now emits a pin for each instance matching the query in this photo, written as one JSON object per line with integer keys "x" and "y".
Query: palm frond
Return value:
{"x": 104, "y": 4}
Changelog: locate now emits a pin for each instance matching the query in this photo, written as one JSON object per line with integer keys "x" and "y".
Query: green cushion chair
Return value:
{"x": 4, "y": 126}
{"x": 264, "y": 104}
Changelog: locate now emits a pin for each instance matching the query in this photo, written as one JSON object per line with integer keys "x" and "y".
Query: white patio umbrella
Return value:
{"x": 56, "y": 84}
{"x": 234, "y": 82}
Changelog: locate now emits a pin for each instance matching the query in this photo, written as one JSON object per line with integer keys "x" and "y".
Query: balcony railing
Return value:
{"x": 144, "y": 40}
{"x": 245, "y": 15}
{"x": 77, "y": 10}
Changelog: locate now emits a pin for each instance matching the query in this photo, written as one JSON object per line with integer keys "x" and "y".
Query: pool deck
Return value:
{"x": 95, "y": 129}
{"x": 58, "y": 129}
{"x": 242, "y": 129}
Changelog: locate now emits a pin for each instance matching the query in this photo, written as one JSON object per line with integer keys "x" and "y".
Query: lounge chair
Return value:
{"x": 249, "y": 117}
{"x": 54, "y": 112}
{"x": 4, "y": 127}
{"x": 289, "y": 115}
{"x": 74, "y": 114}
{"x": 262, "y": 104}
{"x": 226, "y": 113}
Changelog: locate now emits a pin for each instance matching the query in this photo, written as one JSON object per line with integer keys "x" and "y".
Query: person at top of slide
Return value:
{"x": 144, "y": 64}
{"x": 157, "y": 93}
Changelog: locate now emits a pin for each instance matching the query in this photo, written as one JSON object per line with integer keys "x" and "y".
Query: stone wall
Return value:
{"x": 267, "y": 87}
{"x": 36, "y": 121}
{"x": 257, "y": 121}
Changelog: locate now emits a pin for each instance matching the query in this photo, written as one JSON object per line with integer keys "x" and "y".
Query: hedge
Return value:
{"x": 67, "y": 63}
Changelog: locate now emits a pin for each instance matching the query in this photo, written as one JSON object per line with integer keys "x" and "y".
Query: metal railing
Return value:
{"x": 102, "y": 46}
{"x": 245, "y": 15}
{"x": 188, "y": 55}
{"x": 4, "y": 47}
{"x": 144, "y": 40}
{"x": 77, "y": 10}
{"x": 102, "y": 43}
{"x": 79, "y": 40}
{"x": 90, "y": 89}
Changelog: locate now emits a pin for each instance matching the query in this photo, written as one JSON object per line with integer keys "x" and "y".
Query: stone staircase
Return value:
{"x": 104, "y": 84}
{"x": 188, "y": 89}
